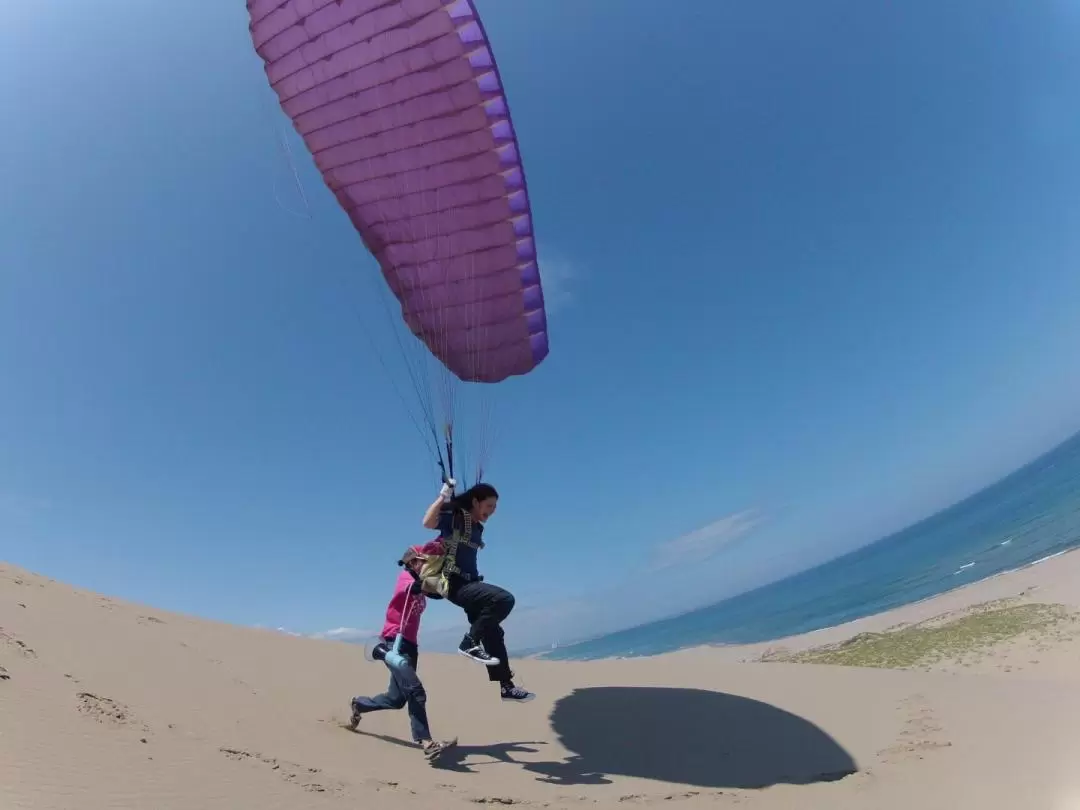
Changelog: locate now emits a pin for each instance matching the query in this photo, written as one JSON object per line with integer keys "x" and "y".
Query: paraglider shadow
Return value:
{"x": 688, "y": 736}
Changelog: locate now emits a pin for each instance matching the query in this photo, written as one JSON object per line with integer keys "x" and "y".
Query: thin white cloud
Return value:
{"x": 557, "y": 277}
{"x": 285, "y": 631}
{"x": 614, "y": 607}
{"x": 349, "y": 634}
{"x": 703, "y": 543}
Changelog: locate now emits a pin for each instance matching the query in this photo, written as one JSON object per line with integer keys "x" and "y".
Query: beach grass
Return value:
{"x": 949, "y": 637}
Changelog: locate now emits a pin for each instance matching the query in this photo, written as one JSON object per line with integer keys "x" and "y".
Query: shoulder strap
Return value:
{"x": 461, "y": 535}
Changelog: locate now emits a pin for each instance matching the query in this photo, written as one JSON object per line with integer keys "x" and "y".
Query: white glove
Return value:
{"x": 447, "y": 491}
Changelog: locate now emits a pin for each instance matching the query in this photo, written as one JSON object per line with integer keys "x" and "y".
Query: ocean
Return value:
{"x": 1028, "y": 517}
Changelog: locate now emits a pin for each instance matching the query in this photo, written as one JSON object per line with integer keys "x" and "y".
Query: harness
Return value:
{"x": 436, "y": 571}
{"x": 459, "y": 537}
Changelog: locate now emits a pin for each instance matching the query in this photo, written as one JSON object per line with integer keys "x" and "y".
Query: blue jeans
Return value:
{"x": 405, "y": 689}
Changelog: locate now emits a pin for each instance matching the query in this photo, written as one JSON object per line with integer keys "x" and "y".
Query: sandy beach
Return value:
{"x": 1046, "y": 650}
{"x": 108, "y": 704}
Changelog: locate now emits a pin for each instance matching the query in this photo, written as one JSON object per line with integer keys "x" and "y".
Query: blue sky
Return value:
{"x": 812, "y": 270}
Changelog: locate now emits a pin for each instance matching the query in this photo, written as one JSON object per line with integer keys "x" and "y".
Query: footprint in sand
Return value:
{"x": 289, "y": 771}
{"x": 20, "y": 646}
{"x": 4, "y": 675}
{"x": 920, "y": 735}
{"x": 103, "y": 709}
{"x": 108, "y": 711}
{"x": 645, "y": 798}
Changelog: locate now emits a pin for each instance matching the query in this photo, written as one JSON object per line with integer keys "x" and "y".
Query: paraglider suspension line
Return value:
{"x": 448, "y": 470}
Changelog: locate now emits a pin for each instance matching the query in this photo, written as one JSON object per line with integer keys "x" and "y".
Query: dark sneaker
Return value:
{"x": 354, "y": 720}
{"x": 515, "y": 694}
{"x": 380, "y": 650}
{"x": 480, "y": 656}
{"x": 470, "y": 649}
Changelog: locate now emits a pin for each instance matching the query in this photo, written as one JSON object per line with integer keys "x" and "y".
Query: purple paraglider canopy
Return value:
{"x": 401, "y": 105}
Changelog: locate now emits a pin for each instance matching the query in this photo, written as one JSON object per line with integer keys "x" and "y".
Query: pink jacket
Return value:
{"x": 405, "y": 609}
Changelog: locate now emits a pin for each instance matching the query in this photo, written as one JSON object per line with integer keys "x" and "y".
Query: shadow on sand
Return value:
{"x": 692, "y": 737}
{"x": 462, "y": 758}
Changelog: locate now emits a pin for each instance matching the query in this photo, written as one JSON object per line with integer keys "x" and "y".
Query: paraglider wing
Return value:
{"x": 401, "y": 105}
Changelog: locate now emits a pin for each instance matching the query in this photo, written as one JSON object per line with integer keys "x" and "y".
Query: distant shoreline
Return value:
{"x": 1034, "y": 582}
{"x": 1027, "y": 518}
{"x": 960, "y": 597}
{"x": 928, "y": 600}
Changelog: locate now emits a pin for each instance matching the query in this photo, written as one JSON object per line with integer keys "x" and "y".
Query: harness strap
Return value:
{"x": 458, "y": 537}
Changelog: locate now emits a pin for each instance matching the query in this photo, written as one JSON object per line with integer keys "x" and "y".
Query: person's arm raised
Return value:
{"x": 431, "y": 516}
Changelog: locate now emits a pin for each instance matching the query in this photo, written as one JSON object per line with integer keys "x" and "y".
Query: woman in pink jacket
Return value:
{"x": 405, "y": 689}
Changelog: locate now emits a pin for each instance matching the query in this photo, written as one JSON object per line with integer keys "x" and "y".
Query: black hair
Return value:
{"x": 477, "y": 492}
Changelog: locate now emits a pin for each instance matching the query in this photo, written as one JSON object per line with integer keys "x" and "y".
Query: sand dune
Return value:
{"x": 107, "y": 704}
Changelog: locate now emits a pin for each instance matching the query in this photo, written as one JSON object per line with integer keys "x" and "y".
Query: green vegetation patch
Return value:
{"x": 947, "y": 637}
